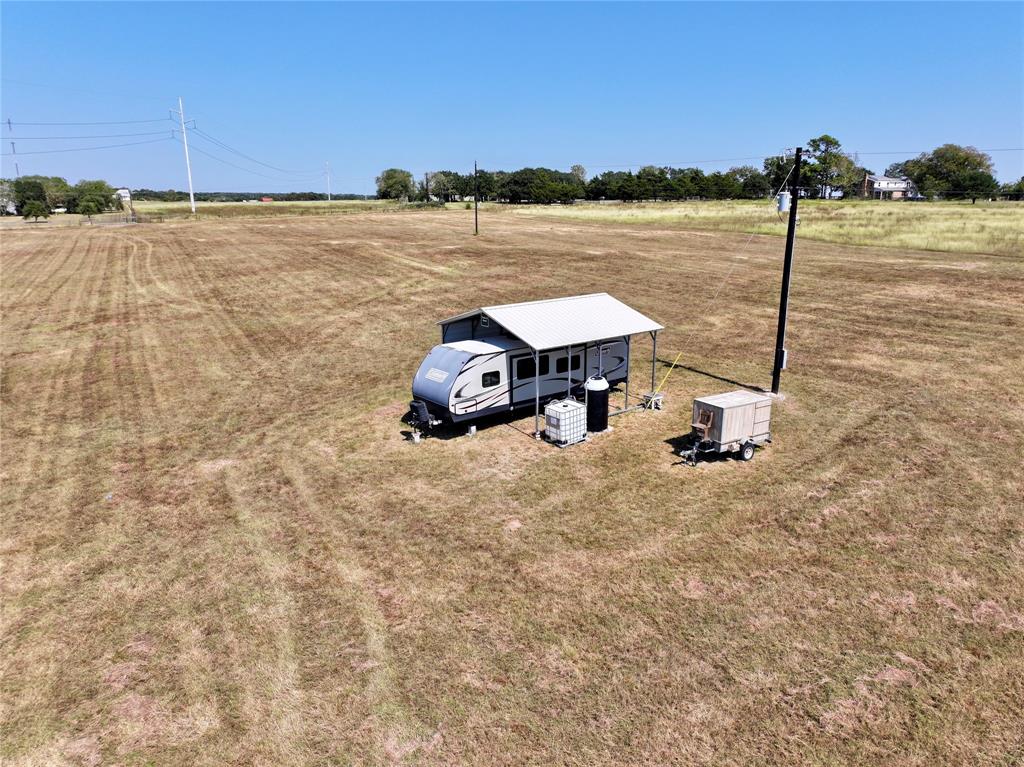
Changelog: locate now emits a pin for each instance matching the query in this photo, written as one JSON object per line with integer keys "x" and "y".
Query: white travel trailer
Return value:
{"x": 500, "y": 358}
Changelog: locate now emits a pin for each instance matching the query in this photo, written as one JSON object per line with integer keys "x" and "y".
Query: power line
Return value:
{"x": 9, "y": 122}
{"x": 87, "y": 148}
{"x": 679, "y": 164}
{"x": 221, "y": 144}
{"x": 247, "y": 170}
{"x": 68, "y": 138}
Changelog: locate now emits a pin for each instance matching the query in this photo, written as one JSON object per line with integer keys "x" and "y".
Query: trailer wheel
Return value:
{"x": 747, "y": 451}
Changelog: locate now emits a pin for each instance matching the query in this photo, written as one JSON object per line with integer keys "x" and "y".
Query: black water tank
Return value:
{"x": 597, "y": 404}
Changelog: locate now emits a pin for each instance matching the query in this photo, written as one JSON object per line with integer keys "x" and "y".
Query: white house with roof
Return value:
{"x": 888, "y": 188}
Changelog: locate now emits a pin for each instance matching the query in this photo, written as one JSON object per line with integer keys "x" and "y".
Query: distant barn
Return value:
{"x": 266, "y": 199}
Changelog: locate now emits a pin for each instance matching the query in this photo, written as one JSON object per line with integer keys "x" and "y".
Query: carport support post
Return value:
{"x": 568, "y": 371}
{"x": 628, "y": 370}
{"x": 654, "y": 356}
{"x": 536, "y": 394}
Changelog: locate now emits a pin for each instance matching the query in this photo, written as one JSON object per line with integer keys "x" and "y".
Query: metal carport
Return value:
{"x": 562, "y": 323}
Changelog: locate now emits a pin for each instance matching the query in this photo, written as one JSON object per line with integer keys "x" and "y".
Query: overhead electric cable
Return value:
{"x": 87, "y": 148}
{"x": 68, "y": 138}
{"x": 11, "y": 122}
{"x": 221, "y": 144}
{"x": 247, "y": 170}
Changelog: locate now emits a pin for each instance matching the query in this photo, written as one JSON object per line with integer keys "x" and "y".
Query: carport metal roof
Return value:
{"x": 569, "y": 321}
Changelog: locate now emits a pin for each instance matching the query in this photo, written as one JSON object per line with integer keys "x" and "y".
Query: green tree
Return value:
{"x": 89, "y": 206}
{"x": 579, "y": 173}
{"x": 25, "y": 191}
{"x": 35, "y": 210}
{"x": 441, "y": 185}
{"x": 951, "y": 171}
{"x": 100, "y": 192}
{"x": 753, "y": 183}
{"x": 830, "y": 168}
{"x": 652, "y": 183}
{"x": 853, "y": 181}
{"x": 1013, "y": 191}
{"x": 56, "y": 189}
{"x": 723, "y": 186}
{"x": 777, "y": 169}
{"x": 486, "y": 182}
{"x": 975, "y": 184}
{"x": 395, "y": 184}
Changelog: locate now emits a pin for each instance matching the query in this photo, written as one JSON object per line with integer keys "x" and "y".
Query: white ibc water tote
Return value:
{"x": 566, "y": 421}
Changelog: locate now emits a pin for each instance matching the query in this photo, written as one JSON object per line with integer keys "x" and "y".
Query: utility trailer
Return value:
{"x": 734, "y": 422}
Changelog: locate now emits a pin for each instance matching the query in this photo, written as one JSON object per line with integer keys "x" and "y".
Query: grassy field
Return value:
{"x": 219, "y": 548}
{"x": 958, "y": 227}
{"x": 182, "y": 209}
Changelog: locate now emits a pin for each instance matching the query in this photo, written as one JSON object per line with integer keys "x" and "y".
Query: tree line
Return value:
{"x": 38, "y": 196}
{"x": 949, "y": 172}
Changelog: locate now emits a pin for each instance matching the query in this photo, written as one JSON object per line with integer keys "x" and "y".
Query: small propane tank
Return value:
{"x": 597, "y": 403}
{"x": 784, "y": 199}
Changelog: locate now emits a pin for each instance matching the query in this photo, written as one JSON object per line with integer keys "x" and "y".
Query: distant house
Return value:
{"x": 888, "y": 188}
{"x": 266, "y": 199}
{"x": 125, "y": 196}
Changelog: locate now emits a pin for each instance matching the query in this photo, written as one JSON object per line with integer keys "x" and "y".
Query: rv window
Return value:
{"x": 525, "y": 369}
{"x": 562, "y": 363}
{"x": 491, "y": 379}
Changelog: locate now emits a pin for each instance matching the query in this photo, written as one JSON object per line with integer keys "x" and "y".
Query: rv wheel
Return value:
{"x": 747, "y": 452}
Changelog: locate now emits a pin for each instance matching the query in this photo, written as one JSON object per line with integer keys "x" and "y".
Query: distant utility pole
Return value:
{"x": 328, "y": 181}
{"x": 476, "y": 200}
{"x": 188, "y": 162}
{"x": 787, "y": 270}
{"x": 426, "y": 185}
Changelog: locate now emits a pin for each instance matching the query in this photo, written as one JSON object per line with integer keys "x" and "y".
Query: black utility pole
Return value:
{"x": 787, "y": 270}
{"x": 476, "y": 201}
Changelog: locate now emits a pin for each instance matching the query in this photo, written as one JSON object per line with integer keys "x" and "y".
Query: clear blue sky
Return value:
{"x": 433, "y": 86}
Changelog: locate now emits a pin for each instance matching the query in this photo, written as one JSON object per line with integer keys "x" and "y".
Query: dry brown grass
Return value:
{"x": 950, "y": 226}
{"x": 217, "y": 547}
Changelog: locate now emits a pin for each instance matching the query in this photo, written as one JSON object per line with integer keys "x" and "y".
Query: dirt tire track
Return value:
{"x": 393, "y": 725}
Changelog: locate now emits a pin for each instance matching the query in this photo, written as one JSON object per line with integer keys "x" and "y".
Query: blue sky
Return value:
{"x": 434, "y": 86}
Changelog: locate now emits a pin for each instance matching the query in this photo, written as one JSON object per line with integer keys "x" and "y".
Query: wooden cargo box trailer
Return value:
{"x": 736, "y": 421}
